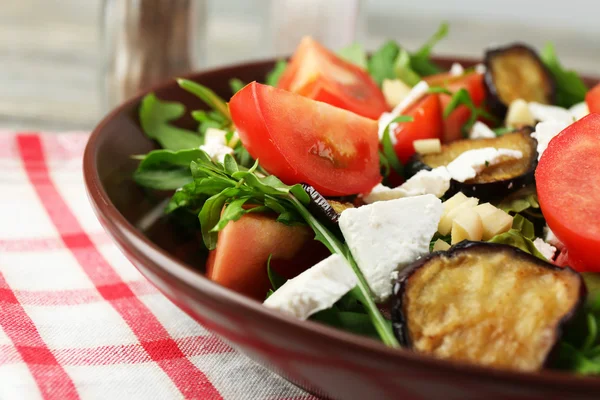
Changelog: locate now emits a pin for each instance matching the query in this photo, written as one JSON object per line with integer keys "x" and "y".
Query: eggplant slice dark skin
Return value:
{"x": 326, "y": 210}
{"x": 485, "y": 303}
{"x": 494, "y": 182}
{"x": 516, "y": 72}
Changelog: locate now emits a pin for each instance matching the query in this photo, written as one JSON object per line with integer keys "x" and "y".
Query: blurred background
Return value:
{"x": 53, "y": 59}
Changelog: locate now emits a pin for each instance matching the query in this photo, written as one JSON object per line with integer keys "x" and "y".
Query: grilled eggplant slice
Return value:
{"x": 326, "y": 210}
{"x": 494, "y": 182}
{"x": 485, "y": 303}
{"x": 516, "y": 72}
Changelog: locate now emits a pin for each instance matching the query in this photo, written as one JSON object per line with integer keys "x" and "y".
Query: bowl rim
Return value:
{"x": 122, "y": 231}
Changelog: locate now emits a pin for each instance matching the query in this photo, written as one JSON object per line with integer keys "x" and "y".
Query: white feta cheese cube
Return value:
{"x": 387, "y": 236}
{"x": 216, "y": 151}
{"x": 551, "y": 238}
{"x": 579, "y": 110}
{"x": 481, "y": 131}
{"x": 435, "y": 182}
{"x": 547, "y": 250}
{"x": 456, "y": 69}
{"x": 467, "y": 165}
{"x": 214, "y": 136}
{"x": 544, "y": 113}
{"x": 314, "y": 290}
{"x": 545, "y": 132}
{"x": 518, "y": 114}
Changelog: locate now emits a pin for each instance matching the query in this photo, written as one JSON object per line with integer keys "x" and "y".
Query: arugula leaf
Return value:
{"x": 276, "y": 280}
{"x": 503, "y": 130}
{"x": 165, "y": 169}
{"x": 388, "y": 147}
{"x": 233, "y": 212}
{"x": 570, "y": 89}
{"x": 155, "y": 117}
{"x": 273, "y": 77}
{"x": 521, "y": 236}
{"x": 384, "y": 165}
{"x": 210, "y": 119}
{"x": 358, "y": 323}
{"x": 354, "y": 53}
{"x": 460, "y": 98}
{"x": 246, "y": 186}
{"x": 523, "y": 200}
{"x": 420, "y": 61}
{"x": 206, "y": 95}
{"x": 579, "y": 350}
{"x": 381, "y": 64}
{"x": 403, "y": 69}
{"x": 236, "y": 85}
{"x": 210, "y": 214}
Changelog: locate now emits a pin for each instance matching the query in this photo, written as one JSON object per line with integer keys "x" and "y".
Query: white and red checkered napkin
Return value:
{"x": 77, "y": 320}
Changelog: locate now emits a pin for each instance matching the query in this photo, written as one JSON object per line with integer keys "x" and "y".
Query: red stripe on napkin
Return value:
{"x": 153, "y": 337}
{"x": 50, "y": 376}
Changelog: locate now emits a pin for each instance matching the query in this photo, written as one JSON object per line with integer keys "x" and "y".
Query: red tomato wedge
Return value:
{"x": 319, "y": 74}
{"x": 301, "y": 140}
{"x": 427, "y": 124}
{"x": 473, "y": 83}
{"x": 568, "y": 185}
{"x": 240, "y": 260}
{"x": 592, "y": 98}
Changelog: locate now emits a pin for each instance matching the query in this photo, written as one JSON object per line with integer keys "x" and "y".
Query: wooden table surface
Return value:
{"x": 51, "y": 61}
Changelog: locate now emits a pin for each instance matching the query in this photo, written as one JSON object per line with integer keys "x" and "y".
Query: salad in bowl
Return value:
{"x": 450, "y": 213}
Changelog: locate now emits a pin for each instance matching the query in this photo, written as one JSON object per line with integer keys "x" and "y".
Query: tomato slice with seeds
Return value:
{"x": 427, "y": 124}
{"x": 302, "y": 140}
{"x": 568, "y": 185}
{"x": 319, "y": 74}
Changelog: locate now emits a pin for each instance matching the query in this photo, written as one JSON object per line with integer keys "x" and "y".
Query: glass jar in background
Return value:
{"x": 147, "y": 41}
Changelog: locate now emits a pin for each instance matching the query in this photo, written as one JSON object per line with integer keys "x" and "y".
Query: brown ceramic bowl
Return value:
{"x": 320, "y": 359}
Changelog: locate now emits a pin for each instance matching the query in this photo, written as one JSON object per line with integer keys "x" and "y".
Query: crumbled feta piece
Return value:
{"x": 456, "y": 70}
{"x": 216, "y": 151}
{"x": 467, "y": 165}
{"x": 418, "y": 91}
{"x": 579, "y": 110}
{"x": 481, "y": 131}
{"x": 480, "y": 68}
{"x": 383, "y": 193}
{"x": 215, "y": 136}
{"x": 545, "y": 132}
{"x": 435, "y": 182}
{"x": 314, "y": 290}
{"x": 518, "y": 114}
{"x": 394, "y": 91}
{"x": 547, "y": 250}
{"x": 387, "y": 236}
{"x": 551, "y": 238}
{"x": 544, "y": 112}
